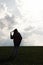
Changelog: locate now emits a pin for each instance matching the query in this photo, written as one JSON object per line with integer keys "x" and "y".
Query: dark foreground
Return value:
{"x": 26, "y": 56}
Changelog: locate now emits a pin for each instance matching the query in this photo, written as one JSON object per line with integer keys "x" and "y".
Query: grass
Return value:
{"x": 30, "y": 55}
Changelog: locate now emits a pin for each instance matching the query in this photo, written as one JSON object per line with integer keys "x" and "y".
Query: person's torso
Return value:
{"x": 17, "y": 38}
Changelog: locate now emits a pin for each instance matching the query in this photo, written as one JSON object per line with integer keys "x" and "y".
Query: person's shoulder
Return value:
{"x": 19, "y": 33}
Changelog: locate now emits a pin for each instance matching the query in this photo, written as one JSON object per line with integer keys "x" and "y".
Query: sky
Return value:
{"x": 26, "y": 16}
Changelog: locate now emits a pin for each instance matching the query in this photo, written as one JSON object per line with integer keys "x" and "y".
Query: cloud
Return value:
{"x": 2, "y": 25}
{"x": 11, "y": 21}
{"x": 36, "y": 40}
{"x": 32, "y": 36}
{"x": 7, "y": 21}
{"x": 31, "y": 22}
{"x": 3, "y": 10}
{"x": 39, "y": 31}
{"x": 25, "y": 18}
{"x": 8, "y": 42}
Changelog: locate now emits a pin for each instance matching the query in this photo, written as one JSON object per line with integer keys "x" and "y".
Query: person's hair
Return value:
{"x": 15, "y": 30}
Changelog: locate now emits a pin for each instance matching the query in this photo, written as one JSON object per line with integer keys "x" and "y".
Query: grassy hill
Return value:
{"x": 30, "y": 55}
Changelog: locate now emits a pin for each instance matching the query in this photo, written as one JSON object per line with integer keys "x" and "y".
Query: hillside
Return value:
{"x": 26, "y": 55}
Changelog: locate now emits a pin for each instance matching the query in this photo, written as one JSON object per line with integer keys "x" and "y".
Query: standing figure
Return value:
{"x": 16, "y": 40}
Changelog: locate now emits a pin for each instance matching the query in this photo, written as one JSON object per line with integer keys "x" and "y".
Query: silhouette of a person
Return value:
{"x": 16, "y": 39}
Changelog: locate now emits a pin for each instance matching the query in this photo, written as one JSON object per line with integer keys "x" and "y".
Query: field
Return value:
{"x": 30, "y": 55}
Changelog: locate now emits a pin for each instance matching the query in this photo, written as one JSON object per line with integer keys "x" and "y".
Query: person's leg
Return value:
{"x": 16, "y": 51}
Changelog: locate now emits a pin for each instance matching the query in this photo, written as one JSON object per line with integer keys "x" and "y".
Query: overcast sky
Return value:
{"x": 26, "y": 16}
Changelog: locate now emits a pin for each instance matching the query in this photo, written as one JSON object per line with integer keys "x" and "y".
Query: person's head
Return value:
{"x": 15, "y": 30}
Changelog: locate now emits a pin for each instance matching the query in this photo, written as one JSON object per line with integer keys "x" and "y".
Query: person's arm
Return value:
{"x": 11, "y": 36}
{"x": 20, "y": 36}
